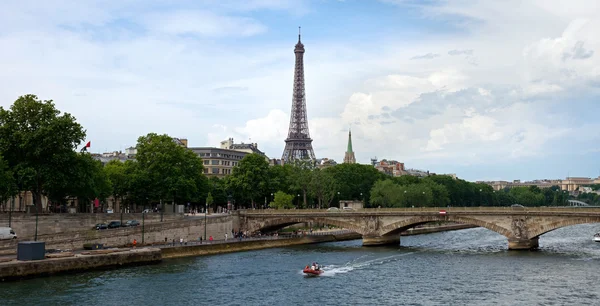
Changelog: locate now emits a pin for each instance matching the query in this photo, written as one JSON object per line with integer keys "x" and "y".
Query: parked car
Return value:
{"x": 100, "y": 226}
{"x": 7, "y": 233}
{"x": 109, "y": 211}
{"x": 147, "y": 211}
{"x": 131, "y": 223}
{"x": 347, "y": 208}
{"x": 333, "y": 209}
{"x": 114, "y": 224}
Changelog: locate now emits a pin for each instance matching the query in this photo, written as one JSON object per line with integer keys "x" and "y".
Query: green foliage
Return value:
{"x": 119, "y": 180}
{"x": 281, "y": 178}
{"x": 323, "y": 186}
{"x": 38, "y": 143}
{"x": 167, "y": 171}
{"x": 354, "y": 179}
{"x": 282, "y": 200}
{"x": 251, "y": 177}
{"x": 302, "y": 176}
{"x": 209, "y": 199}
{"x": 8, "y": 187}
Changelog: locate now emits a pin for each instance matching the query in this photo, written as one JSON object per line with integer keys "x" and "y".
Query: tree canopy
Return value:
{"x": 38, "y": 143}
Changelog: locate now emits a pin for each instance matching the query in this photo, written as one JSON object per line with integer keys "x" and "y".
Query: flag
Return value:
{"x": 88, "y": 144}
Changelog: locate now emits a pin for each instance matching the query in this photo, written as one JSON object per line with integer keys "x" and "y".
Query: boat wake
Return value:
{"x": 358, "y": 264}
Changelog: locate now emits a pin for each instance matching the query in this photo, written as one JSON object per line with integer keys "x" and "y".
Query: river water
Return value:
{"x": 467, "y": 267}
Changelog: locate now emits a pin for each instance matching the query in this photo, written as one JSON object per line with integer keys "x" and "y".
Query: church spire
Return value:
{"x": 349, "y": 150}
{"x": 349, "y": 155}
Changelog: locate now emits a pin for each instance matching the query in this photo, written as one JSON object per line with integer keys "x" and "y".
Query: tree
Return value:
{"x": 90, "y": 181}
{"x": 39, "y": 143}
{"x": 302, "y": 170}
{"x": 282, "y": 200}
{"x": 119, "y": 180}
{"x": 169, "y": 171}
{"x": 387, "y": 194}
{"x": 323, "y": 186}
{"x": 8, "y": 186}
{"x": 354, "y": 179}
{"x": 281, "y": 178}
{"x": 209, "y": 201}
{"x": 251, "y": 177}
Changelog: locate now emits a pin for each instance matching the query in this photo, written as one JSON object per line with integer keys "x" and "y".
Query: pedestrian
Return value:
{"x": 200, "y": 239}
{"x": 225, "y": 236}
{"x": 180, "y": 241}
{"x": 134, "y": 243}
{"x": 165, "y": 240}
{"x": 173, "y": 241}
{"x": 210, "y": 239}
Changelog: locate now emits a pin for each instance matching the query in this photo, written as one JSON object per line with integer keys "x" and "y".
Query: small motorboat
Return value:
{"x": 311, "y": 272}
{"x": 597, "y": 237}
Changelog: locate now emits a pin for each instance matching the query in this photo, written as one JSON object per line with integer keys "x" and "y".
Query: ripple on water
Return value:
{"x": 467, "y": 267}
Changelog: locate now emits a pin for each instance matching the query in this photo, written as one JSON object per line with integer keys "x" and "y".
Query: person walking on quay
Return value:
{"x": 210, "y": 239}
{"x": 225, "y": 236}
{"x": 180, "y": 241}
{"x": 134, "y": 243}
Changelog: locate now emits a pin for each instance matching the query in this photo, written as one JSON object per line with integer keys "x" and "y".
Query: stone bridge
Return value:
{"x": 521, "y": 226}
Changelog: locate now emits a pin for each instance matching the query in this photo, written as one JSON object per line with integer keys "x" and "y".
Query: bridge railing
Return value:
{"x": 426, "y": 209}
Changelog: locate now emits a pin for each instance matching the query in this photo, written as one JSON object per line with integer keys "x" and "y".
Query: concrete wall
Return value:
{"x": 221, "y": 248}
{"x": 155, "y": 232}
{"x": 24, "y": 269}
{"x": 24, "y": 224}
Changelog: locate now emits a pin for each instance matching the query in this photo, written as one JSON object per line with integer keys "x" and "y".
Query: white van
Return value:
{"x": 7, "y": 233}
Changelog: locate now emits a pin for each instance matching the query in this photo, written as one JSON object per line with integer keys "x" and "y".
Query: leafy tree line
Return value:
{"x": 441, "y": 190}
{"x": 37, "y": 154}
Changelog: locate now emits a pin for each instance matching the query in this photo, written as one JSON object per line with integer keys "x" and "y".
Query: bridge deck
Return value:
{"x": 571, "y": 211}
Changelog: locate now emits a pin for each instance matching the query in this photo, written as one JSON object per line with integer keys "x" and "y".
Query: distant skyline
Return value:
{"x": 489, "y": 90}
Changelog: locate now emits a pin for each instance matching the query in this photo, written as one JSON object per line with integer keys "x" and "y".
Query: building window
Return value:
{"x": 214, "y": 162}
{"x": 206, "y": 162}
{"x": 215, "y": 170}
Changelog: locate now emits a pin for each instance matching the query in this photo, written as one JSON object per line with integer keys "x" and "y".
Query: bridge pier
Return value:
{"x": 523, "y": 244}
{"x": 381, "y": 240}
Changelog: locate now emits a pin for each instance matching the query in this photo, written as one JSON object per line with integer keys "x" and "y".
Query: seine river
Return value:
{"x": 467, "y": 267}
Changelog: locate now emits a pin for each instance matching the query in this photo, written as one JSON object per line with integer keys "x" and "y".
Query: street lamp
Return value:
{"x": 298, "y": 200}
{"x": 205, "y": 213}
{"x": 480, "y": 202}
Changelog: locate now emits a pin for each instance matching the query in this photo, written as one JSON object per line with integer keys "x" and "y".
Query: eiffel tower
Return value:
{"x": 298, "y": 145}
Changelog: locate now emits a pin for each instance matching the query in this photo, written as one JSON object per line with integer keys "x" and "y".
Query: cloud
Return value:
{"x": 460, "y": 52}
{"x": 202, "y": 23}
{"x": 210, "y": 70}
{"x": 425, "y": 56}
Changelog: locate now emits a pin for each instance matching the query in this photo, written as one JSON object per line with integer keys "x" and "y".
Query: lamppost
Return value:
{"x": 363, "y": 200}
{"x": 36, "y": 221}
{"x": 205, "y": 213}
{"x": 143, "y": 226}
{"x": 480, "y": 201}
{"x": 298, "y": 201}
{"x": 406, "y": 197}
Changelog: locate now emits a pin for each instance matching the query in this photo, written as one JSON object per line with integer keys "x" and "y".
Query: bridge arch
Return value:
{"x": 540, "y": 230}
{"x": 279, "y": 223}
{"x": 398, "y": 227}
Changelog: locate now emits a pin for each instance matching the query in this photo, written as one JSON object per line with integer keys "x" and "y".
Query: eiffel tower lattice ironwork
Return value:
{"x": 298, "y": 145}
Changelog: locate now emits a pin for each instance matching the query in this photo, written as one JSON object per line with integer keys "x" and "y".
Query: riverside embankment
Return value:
{"x": 12, "y": 269}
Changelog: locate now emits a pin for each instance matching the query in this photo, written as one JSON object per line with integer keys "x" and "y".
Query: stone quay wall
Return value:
{"x": 24, "y": 224}
{"x": 240, "y": 246}
{"x": 15, "y": 270}
{"x": 155, "y": 232}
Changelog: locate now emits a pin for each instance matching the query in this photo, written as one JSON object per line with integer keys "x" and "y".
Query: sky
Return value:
{"x": 488, "y": 90}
